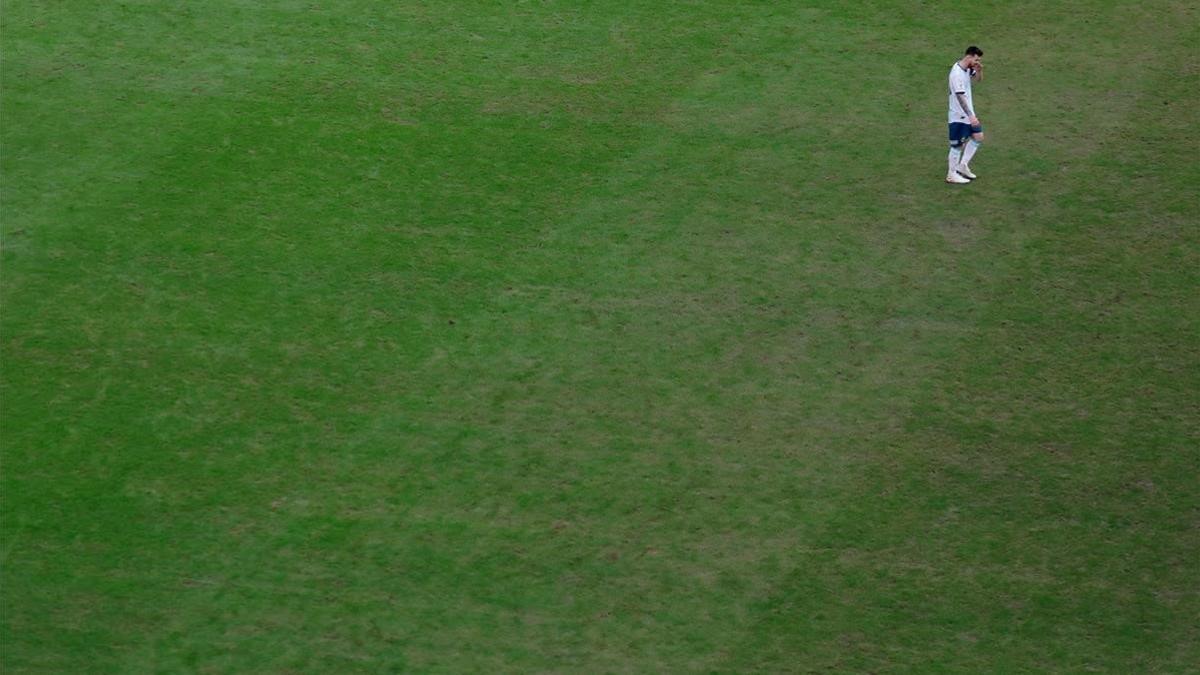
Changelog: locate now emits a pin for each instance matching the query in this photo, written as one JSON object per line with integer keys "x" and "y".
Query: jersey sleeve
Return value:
{"x": 958, "y": 81}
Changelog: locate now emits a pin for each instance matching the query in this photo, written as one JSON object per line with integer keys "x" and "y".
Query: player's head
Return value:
{"x": 972, "y": 55}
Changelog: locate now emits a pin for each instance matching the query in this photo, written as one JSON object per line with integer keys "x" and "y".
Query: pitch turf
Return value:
{"x": 597, "y": 336}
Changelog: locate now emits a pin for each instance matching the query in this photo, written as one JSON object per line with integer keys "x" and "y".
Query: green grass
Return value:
{"x": 597, "y": 336}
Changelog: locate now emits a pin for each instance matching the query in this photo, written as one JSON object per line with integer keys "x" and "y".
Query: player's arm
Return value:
{"x": 962, "y": 101}
{"x": 977, "y": 72}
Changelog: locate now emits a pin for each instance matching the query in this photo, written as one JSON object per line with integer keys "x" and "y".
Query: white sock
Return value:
{"x": 969, "y": 151}
{"x": 955, "y": 153}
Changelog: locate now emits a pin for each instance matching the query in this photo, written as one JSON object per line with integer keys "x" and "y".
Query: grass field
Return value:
{"x": 598, "y": 337}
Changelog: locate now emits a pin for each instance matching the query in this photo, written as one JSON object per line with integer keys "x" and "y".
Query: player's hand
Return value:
{"x": 973, "y": 120}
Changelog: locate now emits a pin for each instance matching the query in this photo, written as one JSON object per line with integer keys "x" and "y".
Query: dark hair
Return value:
{"x": 973, "y": 50}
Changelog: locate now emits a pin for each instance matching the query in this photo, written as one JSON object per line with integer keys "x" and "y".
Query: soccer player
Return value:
{"x": 966, "y": 133}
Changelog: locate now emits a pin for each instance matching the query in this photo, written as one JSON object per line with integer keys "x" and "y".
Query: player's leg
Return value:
{"x": 957, "y": 139}
{"x": 953, "y": 161}
{"x": 969, "y": 150}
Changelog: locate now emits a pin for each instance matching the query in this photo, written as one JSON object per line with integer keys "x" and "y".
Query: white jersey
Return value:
{"x": 960, "y": 83}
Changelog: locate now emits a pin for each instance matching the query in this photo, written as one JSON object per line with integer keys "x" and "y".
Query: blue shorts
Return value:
{"x": 960, "y": 132}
